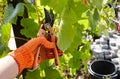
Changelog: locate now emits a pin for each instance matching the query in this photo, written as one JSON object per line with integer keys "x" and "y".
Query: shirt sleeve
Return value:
{"x": 8, "y": 68}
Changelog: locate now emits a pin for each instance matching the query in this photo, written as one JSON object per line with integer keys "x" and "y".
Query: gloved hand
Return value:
{"x": 38, "y": 49}
{"x": 25, "y": 55}
{"x": 46, "y": 54}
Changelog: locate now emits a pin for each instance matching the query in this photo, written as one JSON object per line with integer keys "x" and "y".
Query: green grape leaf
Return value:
{"x": 11, "y": 13}
{"x": 44, "y": 65}
{"x": 3, "y": 54}
{"x": 84, "y": 20}
{"x": 33, "y": 74}
{"x": 96, "y": 15}
{"x": 77, "y": 38}
{"x": 46, "y": 2}
{"x": 100, "y": 29}
{"x": 65, "y": 58}
{"x": 19, "y": 9}
{"x": 52, "y": 73}
{"x": 58, "y": 5}
{"x": 39, "y": 73}
{"x": 31, "y": 11}
{"x": 6, "y": 28}
{"x": 84, "y": 23}
{"x": 91, "y": 21}
{"x": 67, "y": 31}
{"x": 78, "y": 7}
{"x": 8, "y": 9}
{"x": 75, "y": 61}
{"x": 30, "y": 28}
{"x": 98, "y": 3}
{"x": 3, "y": 49}
{"x": 85, "y": 51}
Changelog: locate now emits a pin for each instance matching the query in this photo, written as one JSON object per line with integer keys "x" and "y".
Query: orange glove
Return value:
{"x": 24, "y": 55}
{"x": 42, "y": 53}
{"x": 46, "y": 54}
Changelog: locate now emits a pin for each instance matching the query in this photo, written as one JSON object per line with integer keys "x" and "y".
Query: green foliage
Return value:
{"x": 98, "y": 3}
{"x": 51, "y": 73}
{"x": 3, "y": 49}
{"x": 57, "y": 5}
{"x": 30, "y": 28}
{"x": 31, "y": 11}
{"x": 11, "y": 13}
{"x": 4, "y": 38}
{"x": 78, "y": 7}
{"x": 67, "y": 31}
{"x": 5, "y": 31}
{"x": 74, "y": 18}
{"x": 2, "y": 5}
{"x": 70, "y": 16}
{"x": 33, "y": 74}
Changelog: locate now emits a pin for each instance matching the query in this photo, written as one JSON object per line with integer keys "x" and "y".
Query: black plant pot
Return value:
{"x": 102, "y": 69}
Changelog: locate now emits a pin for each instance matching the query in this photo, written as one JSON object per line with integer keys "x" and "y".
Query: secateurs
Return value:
{"x": 47, "y": 32}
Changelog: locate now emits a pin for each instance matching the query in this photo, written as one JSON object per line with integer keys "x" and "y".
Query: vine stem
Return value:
{"x": 38, "y": 13}
{"x": 20, "y": 38}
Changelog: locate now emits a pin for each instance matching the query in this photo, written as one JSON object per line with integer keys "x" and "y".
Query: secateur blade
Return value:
{"x": 49, "y": 17}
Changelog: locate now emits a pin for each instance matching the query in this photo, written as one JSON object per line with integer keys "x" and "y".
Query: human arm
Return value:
{"x": 8, "y": 68}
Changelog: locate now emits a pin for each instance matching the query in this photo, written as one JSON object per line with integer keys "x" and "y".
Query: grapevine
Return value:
{"x": 77, "y": 24}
